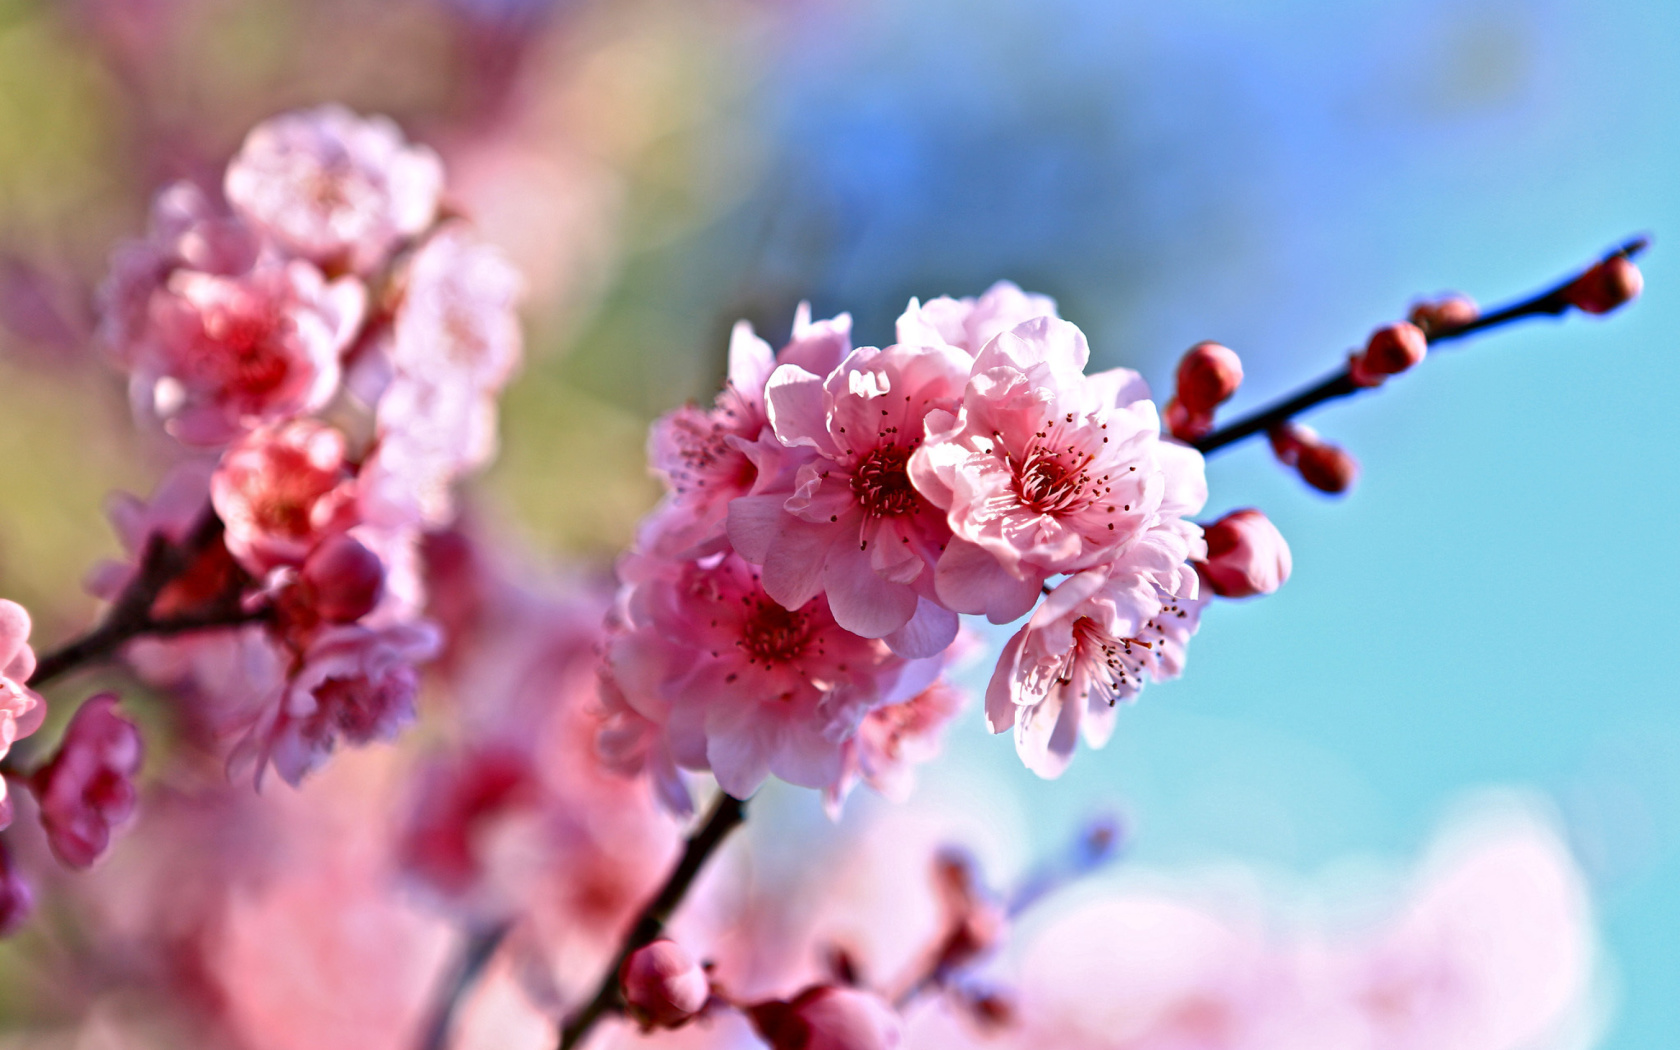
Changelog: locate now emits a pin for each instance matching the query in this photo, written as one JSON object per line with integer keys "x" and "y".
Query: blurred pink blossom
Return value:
{"x": 21, "y": 708}
{"x": 333, "y": 187}
{"x": 225, "y": 353}
{"x": 87, "y": 788}
{"x": 281, "y": 490}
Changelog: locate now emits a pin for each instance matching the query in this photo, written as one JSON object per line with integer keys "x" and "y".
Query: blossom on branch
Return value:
{"x": 87, "y": 788}
{"x": 21, "y": 708}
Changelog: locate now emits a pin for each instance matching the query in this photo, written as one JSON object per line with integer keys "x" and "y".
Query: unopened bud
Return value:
{"x": 1322, "y": 465}
{"x": 826, "y": 1017}
{"x": 1445, "y": 314}
{"x": 1208, "y": 375}
{"x": 1606, "y": 286}
{"x": 663, "y": 986}
{"x": 1184, "y": 424}
{"x": 1391, "y": 350}
{"x": 1246, "y": 555}
{"x": 345, "y": 578}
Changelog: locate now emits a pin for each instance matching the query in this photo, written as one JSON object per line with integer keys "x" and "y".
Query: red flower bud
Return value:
{"x": 1391, "y": 350}
{"x": 1184, "y": 424}
{"x": 345, "y": 578}
{"x": 663, "y": 986}
{"x": 826, "y": 1017}
{"x": 1606, "y": 286}
{"x": 1246, "y": 555}
{"x": 1322, "y": 465}
{"x": 1208, "y": 375}
{"x": 1444, "y": 314}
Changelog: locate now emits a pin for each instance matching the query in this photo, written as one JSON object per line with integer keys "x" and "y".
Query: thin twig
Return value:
{"x": 476, "y": 953}
{"x": 726, "y": 815}
{"x": 1551, "y": 302}
{"x": 130, "y": 615}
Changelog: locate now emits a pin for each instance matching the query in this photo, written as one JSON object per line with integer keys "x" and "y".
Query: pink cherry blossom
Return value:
{"x": 336, "y": 188}
{"x": 743, "y": 686}
{"x": 970, "y": 324}
{"x": 708, "y": 458}
{"x": 454, "y": 343}
{"x": 895, "y": 738}
{"x": 224, "y": 354}
{"x": 87, "y": 789}
{"x": 354, "y": 683}
{"x": 1046, "y": 470}
{"x": 457, "y": 801}
{"x": 1246, "y": 555}
{"x": 187, "y": 232}
{"x": 853, "y": 526}
{"x": 21, "y": 708}
{"x": 281, "y": 490}
{"x": 1092, "y": 644}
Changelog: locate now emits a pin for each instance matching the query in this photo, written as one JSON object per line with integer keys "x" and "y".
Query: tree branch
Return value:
{"x": 726, "y": 815}
{"x": 1551, "y": 302}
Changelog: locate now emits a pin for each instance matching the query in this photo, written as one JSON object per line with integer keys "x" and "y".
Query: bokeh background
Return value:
{"x": 1491, "y": 608}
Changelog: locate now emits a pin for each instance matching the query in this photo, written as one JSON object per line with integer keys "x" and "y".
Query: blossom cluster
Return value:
{"x": 322, "y": 343}
{"x": 837, "y": 509}
{"x": 328, "y": 341}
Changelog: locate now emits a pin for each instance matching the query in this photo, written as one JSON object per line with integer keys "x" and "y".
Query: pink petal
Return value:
{"x": 793, "y": 568}
{"x": 928, "y": 633}
{"x": 754, "y": 524}
{"x": 1000, "y": 691}
{"x": 797, "y": 407}
{"x": 969, "y": 580}
{"x": 861, "y": 601}
{"x": 14, "y": 639}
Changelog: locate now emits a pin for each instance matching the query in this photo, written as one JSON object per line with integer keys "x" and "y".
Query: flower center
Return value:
{"x": 1054, "y": 481}
{"x": 774, "y": 635}
{"x": 881, "y": 484}
{"x": 1115, "y": 664}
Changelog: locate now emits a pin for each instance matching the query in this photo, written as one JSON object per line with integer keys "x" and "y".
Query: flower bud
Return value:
{"x": 1184, "y": 424}
{"x": 1445, "y": 314}
{"x": 346, "y": 579}
{"x": 663, "y": 986}
{"x": 1322, "y": 465}
{"x": 826, "y": 1017}
{"x": 1606, "y": 286}
{"x": 1208, "y": 375}
{"x": 1391, "y": 350}
{"x": 1246, "y": 555}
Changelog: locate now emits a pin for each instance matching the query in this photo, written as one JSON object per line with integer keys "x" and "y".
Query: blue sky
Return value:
{"x": 1495, "y": 603}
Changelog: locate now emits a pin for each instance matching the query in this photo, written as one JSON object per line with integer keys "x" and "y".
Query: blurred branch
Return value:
{"x": 476, "y": 953}
{"x": 1553, "y": 302}
{"x": 727, "y": 814}
{"x": 130, "y": 616}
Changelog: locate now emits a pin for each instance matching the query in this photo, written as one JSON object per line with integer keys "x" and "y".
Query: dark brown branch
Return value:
{"x": 726, "y": 815}
{"x": 130, "y": 615}
{"x": 1551, "y": 302}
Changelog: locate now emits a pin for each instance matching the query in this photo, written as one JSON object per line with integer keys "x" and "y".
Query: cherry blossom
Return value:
{"x": 969, "y": 324}
{"x": 1092, "y": 644}
{"x": 1046, "y": 471}
{"x": 225, "y": 353}
{"x": 852, "y": 525}
{"x": 709, "y": 458}
{"x": 333, "y": 187}
{"x": 88, "y": 787}
{"x": 281, "y": 490}
{"x": 741, "y": 685}
{"x": 21, "y": 708}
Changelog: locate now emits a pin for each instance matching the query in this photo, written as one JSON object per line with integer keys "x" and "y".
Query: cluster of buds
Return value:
{"x": 829, "y": 519}
{"x": 1208, "y": 374}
